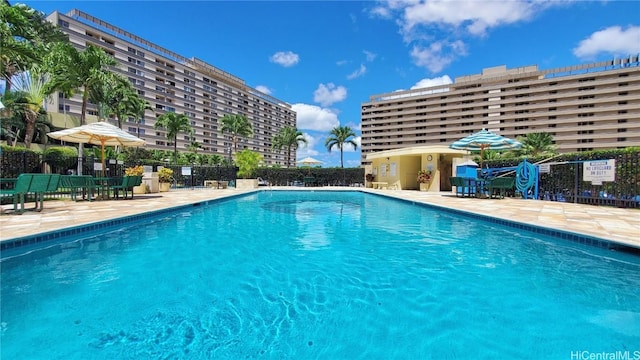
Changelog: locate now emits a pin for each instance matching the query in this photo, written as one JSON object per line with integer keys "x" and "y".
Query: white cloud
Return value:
{"x": 438, "y": 55}
{"x": 369, "y": 55}
{"x": 308, "y": 149}
{"x": 613, "y": 40}
{"x": 381, "y": 12}
{"x": 349, "y": 147}
{"x": 285, "y": 58}
{"x": 422, "y": 21}
{"x": 473, "y": 16}
{"x": 315, "y": 118}
{"x": 361, "y": 71}
{"x": 263, "y": 89}
{"x": 342, "y": 62}
{"x": 424, "y": 83}
{"x": 329, "y": 94}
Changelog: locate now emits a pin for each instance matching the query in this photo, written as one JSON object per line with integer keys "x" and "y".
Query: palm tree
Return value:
{"x": 238, "y": 126}
{"x": 31, "y": 87}
{"x": 139, "y": 107}
{"x": 340, "y": 136}
{"x": 71, "y": 70}
{"x": 537, "y": 144}
{"x": 25, "y": 36}
{"x": 174, "y": 124}
{"x": 290, "y": 138}
{"x": 194, "y": 146}
{"x": 117, "y": 97}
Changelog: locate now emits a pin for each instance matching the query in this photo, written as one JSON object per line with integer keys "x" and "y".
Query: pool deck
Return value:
{"x": 608, "y": 223}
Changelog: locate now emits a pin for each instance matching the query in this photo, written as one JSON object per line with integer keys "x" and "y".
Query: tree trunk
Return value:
{"x": 30, "y": 128}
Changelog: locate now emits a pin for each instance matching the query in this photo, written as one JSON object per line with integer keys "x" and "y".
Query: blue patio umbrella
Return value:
{"x": 485, "y": 139}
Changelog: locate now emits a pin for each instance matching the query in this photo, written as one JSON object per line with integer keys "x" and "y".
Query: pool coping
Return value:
{"x": 49, "y": 236}
{"x": 584, "y": 239}
{"x": 38, "y": 239}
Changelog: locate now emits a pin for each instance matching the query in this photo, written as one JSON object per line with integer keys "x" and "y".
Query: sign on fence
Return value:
{"x": 599, "y": 171}
{"x": 544, "y": 168}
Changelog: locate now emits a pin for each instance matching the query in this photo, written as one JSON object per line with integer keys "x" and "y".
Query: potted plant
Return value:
{"x": 369, "y": 179}
{"x": 247, "y": 162}
{"x": 424, "y": 179}
{"x": 134, "y": 171}
{"x": 137, "y": 171}
{"x": 165, "y": 178}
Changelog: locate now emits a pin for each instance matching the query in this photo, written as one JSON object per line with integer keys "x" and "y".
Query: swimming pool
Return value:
{"x": 300, "y": 275}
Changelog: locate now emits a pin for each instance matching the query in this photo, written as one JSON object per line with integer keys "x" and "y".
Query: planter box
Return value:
{"x": 424, "y": 186}
{"x": 140, "y": 189}
{"x": 246, "y": 184}
{"x": 164, "y": 187}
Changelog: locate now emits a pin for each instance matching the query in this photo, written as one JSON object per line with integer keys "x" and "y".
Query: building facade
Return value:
{"x": 585, "y": 107}
{"x": 171, "y": 82}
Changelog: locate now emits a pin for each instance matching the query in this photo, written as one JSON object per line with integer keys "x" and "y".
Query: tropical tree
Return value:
{"x": 537, "y": 144}
{"x": 290, "y": 138}
{"x": 338, "y": 137}
{"x": 71, "y": 70}
{"x": 25, "y": 37}
{"x": 247, "y": 161}
{"x": 11, "y": 117}
{"x": 194, "y": 146}
{"x": 117, "y": 97}
{"x": 139, "y": 106}
{"x": 238, "y": 126}
{"x": 31, "y": 89}
{"x": 174, "y": 124}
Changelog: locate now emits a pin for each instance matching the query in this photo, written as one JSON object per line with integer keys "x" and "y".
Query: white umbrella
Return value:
{"x": 99, "y": 133}
{"x": 309, "y": 161}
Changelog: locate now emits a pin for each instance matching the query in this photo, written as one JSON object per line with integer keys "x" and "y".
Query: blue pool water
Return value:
{"x": 318, "y": 275}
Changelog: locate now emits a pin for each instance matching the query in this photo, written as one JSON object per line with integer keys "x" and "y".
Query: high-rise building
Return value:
{"x": 584, "y": 107}
{"x": 171, "y": 82}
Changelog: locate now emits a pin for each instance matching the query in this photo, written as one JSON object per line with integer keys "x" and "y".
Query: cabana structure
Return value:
{"x": 398, "y": 168}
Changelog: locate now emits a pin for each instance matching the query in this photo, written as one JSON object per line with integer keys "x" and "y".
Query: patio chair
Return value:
{"x": 19, "y": 191}
{"x": 499, "y": 186}
{"x": 127, "y": 184}
{"x": 42, "y": 184}
{"x": 460, "y": 185}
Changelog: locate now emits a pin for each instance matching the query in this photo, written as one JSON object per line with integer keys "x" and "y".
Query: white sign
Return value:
{"x": 544, "y": 168}
{"x": 598, "y": 171}
{"x": 186, "y": 170}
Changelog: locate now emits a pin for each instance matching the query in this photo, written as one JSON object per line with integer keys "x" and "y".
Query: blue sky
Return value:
{"x": 326, "y": 58}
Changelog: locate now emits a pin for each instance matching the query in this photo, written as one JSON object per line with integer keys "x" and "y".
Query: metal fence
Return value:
{"x": 565, "y": 182}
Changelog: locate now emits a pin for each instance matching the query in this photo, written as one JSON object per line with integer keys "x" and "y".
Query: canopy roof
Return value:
{"x": 415, "y": 150}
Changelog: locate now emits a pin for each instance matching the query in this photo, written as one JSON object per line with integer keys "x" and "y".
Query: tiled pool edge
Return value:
{"x": 44, "y": 237}
{"x": 48, "y": 236}
{"x": 584, "y": 239}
